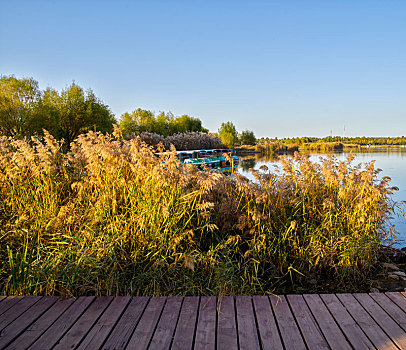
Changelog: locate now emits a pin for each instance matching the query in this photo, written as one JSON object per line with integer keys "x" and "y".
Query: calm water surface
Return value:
{"x": 391, "y": 161}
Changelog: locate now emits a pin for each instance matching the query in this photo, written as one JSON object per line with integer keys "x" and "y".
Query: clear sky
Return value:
{"x": 280, "y": 68}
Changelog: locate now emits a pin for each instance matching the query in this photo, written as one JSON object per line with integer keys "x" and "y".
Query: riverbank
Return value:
{"x": 390, "y": 274}
{"x": 113, "y": 218}
{"x": 328, "y": 146}
{"x": 266, "y": 148}
{"x": 274, "y": 147}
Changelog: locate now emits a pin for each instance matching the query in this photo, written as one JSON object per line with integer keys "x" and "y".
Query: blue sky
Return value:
{"x": 279, "y": 68}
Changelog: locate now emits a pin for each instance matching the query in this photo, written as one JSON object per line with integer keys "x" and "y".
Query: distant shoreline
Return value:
{"x": 316, "y": 146}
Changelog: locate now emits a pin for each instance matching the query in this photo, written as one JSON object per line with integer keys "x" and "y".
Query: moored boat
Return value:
{"x": 220, "y": 158}
{"x": 223, "y": 159}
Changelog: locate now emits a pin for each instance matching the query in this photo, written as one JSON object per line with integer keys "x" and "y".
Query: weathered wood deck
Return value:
{"x": 336, "y": 321}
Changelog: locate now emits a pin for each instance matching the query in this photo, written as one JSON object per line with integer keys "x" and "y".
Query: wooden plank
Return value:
{"x": 288, "y": 328}
{"x": 391, "y": 328}
{"x": 16, "y": 310}
{"x": 9, "y": 333}
{"x": 45, "y": 322}
{"x": 267, "y": 328}
{"x": 206, "y": 324}
{"x": 394, "y": 311}
{"x": 165, "y": 329}
{"x": 79, "y": 330}
{"x": 58, "y": 329}
{"x": 350, "y": 328}
{"x": 307, "y": 324}
{"x": 397, "y": 298}
{"x": 41, "y": 325}
{"x": 147, "y": 324}
{"x": 124, "y": 328}
{"x": 226, "y": 325}
{"x": 185, "y": 329}
{"x": 8, "y": 303}
{"x": 100, "y": 331}
{"x": 366, "y": 322}
{"x": 326, "y": 322}
{"x": 247, "y": 328}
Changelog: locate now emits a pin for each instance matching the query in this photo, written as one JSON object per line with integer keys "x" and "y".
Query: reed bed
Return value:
{"x": 183, "y": 141}
{"x": 275, "y": 147}
{"x": 323, "y": 146}
{"x": 112, "y": 218}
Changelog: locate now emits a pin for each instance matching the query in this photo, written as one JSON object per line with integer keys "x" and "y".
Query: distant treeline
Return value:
{"x": 165, "y": 124}
{"x": 345, "y": 140}
{"x": 25, "y": 111}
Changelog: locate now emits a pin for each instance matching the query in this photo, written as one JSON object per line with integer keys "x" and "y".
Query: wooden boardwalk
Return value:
{"x": 311, "y": 321}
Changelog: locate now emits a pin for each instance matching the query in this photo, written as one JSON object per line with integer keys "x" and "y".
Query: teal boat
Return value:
{"x": 220, "y": 159}
{"x": 223, "y": 159}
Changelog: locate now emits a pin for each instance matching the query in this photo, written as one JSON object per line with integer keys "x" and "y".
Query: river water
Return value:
{"x": 391, "y": 160}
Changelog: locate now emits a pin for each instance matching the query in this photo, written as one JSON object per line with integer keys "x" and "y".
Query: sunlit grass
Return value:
{"x": 323, "y": 146}
{"x": 111, "y": 217}
{"x": 274, "y": 147}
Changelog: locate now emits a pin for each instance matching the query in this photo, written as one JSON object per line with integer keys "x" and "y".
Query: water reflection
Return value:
{"x": 252, "y": 161}
{"x": 246, "y": 164}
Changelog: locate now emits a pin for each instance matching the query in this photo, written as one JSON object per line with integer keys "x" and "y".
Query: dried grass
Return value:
{"x": 183, "y": 141}
{"x": 111, "y": 217}
{"x": 273, "y": 147}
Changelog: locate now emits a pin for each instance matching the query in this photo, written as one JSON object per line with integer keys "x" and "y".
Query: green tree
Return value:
{"x": 228, "y": 134}
{"x": 146, "y": 120}
{"x": 138, "y": 121}
{"x": 73, "y": 112}
{"x": 247, "y": 137}
{"x": 186, "y": 123}
{"x": 100, "y": 116}
{"x": 127, "y": 125}
{"x": 19, "y": 107}
{"x": 164, "y": 123}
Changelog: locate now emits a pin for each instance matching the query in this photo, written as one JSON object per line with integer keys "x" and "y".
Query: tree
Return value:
{"x": 73, "y": 112}
{"x": 247, "y": 137}
{"x": 138, "y": 121}
{"x": 127, "y": 125}
{"x": 164, "y": 124}
{"x": 19, "y": 107}
{"x": 186, "y": 123}
{"x": 228, "y": 134}
{"x": 99, "y": 114}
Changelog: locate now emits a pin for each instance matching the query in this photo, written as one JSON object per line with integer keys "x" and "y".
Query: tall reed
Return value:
{"x": 323, "y": 146}
{"x": 183, "y": 141}
{"x": 275, "y": 147}
{"x": 111, "y": 217}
